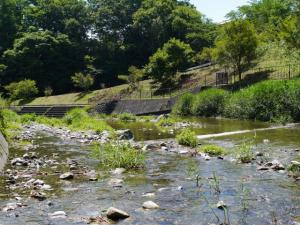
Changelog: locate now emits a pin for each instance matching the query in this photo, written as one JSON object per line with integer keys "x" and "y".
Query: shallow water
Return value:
{"x": 252, "y": 197}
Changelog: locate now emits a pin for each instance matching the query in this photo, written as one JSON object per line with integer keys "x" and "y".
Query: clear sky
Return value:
{"x": 217, "y": 9}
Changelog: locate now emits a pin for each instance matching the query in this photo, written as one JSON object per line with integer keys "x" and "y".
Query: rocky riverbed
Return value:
{"x": 53, "y": 180}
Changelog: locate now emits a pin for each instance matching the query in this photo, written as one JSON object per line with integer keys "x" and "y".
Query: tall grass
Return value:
{"x": 184, "y": 105}
{"x": 271, "y": 100}
{"x": 187, "y": 137}
{"x": 119, "y": 155}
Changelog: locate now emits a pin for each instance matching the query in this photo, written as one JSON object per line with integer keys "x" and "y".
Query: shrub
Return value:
{"x": 75, "y": 115}
{"x": 83, "y": 81}
{"x": 24, "y": 90}
{"x": 55, "y": 122}
{"x": 28, "y": 118}
{"x": 184, "y": 105}
{"x": 119, "y": 155}
{"x": 209, "y": 102}
{"x": 48, "y": 91}
{"x": 213, "y": 150}
{"x": 187, "y": 138}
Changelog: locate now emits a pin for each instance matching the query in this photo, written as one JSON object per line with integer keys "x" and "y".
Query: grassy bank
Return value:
{"x": 273, "y": 100}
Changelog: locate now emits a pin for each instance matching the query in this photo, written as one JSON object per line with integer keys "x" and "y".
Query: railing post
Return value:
{"x": 140, "y": 94}
{"x": 289, "y": 71}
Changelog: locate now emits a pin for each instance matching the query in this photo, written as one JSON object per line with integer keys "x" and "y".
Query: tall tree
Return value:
{"x": 236, "y": 46}
{"x": 42, "y": 56}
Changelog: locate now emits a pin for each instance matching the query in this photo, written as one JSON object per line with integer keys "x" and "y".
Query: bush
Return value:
{"x": 83, "y": 81}
{"x": 28, "y": 118}
{"x": 209, "y": 102}
{"x": 119, "y": 155}
{"x": 22, "y": 90}
{"x": 187, "y": 138}
{"x": 213, "y": 150}
{"x": 48, "y": 91}
{"x": 184, "y": 105}
{"x": 79, "y": 119}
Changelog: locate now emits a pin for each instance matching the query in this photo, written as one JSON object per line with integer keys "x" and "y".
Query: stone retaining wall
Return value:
{"x": 3, "y": 151}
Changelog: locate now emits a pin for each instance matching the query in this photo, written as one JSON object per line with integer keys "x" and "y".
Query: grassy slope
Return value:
{"x": 273, "y": 56}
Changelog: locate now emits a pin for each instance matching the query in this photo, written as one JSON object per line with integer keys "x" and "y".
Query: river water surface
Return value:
{"x": 251, "y": 196}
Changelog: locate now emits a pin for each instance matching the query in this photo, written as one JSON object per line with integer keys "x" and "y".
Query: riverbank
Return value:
{"x": 274, "y": 101}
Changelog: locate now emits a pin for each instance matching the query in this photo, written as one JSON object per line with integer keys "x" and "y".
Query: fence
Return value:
{"x": 210, "y": 80}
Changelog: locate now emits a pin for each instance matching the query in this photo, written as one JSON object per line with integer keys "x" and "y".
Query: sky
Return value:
{"x": 217, "y": 9}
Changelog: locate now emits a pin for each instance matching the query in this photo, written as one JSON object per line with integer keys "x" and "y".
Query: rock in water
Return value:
{"x": 116, "y": 214}
{"x": 124, "y": 134}
{"x": 221, "y": 205}
{"x": 150, "y": 205}
{"x": 38, "y": 195}
{"x": 67, "y": 176}
{"x": 57, "y": 215}
{"x": 118, "y": 171}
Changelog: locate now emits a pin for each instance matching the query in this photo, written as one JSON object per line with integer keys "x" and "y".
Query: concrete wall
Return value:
{"x": 144, "y": 107}
{"x": 3, "y": 152}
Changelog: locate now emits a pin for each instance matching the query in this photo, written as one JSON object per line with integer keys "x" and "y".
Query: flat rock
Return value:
{"x": 116, "y": 214}
{"x": 118, "y": 171}
{"x": 150, "y": 205}
{"x": 57, "y": 215}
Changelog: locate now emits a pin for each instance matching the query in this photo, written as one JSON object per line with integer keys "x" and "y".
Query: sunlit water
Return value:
{"x": 253, "y": 197}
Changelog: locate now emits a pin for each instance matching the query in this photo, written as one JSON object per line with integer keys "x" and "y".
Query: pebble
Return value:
{"x": 57, "y": 215}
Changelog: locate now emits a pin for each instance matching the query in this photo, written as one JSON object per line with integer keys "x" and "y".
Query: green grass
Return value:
{"x": 187, "y": 138}
{"x": 119, "y": 155}
{"x": 244, "y": 152}
{"x": 212, "y": 150}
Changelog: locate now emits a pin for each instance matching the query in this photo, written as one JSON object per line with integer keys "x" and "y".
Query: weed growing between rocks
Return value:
{"x": 187, "y": 137}
{"x": 244, "y": 152}
{"x": 119, "y": 155}
{"x": 212, "y": 150}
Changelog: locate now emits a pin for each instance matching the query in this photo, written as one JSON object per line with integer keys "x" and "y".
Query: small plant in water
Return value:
{"x": 193, "y": 172}
{"x": 187, "y": 138}
{"x": 119, "y": 155}
{"x": 212, "y": 150}
{"x": 244, "y": 152}
{"x": 215, "y": 183}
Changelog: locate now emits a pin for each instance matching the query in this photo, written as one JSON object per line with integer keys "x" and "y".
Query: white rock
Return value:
{"x": 57, "y": 215}
{"x": 116, "y": 214}
{"x": 150, "y": 205}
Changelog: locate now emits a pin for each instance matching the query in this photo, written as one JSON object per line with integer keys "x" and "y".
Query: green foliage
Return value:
{"x": 119, "y": 155}
{"x": 43, "y": 56}
{"x": 183, "y": 106}
{"x": 83, "y": 81}
{"x": 54, "y": 122}
{"x": 79, "y": 119}
{"x": 212, "y": 150}
{"x": 236, "y": 45}
{"x": 174, "y": 56}
{"x": 209, "y": 103}
{"x": 133, "y": 78}
{"x": 244, "y": 152}
{"x": 27, "y": 118}
{"x": 48, "y": 91}
{"x": 267, "y": 101}
{"x": 127, "y": 117}
{"x": 24, "y": 90}
{"x": 187, "y": 138}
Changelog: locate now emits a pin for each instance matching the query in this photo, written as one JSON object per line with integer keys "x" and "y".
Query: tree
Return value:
{"x": 266, "y": 15}
{"x": 83, "y": 81}
{"x": 42, "y": 56}
{"x": 23, "y": 90}
{"x": 174, "y": 56}
{"x": 10, "y": 19}
{"x": 133, "y": 78}
{"x": 236, "y": 46}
